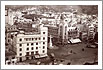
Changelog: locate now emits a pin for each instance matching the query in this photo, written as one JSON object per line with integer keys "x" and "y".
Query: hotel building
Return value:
{"x": 31, "y": 45}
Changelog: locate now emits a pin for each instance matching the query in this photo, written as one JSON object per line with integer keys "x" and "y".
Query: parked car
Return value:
{"x": 91, "y": 46}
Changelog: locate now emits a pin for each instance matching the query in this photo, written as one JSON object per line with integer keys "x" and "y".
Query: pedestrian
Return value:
{"x": 71, "y": 51}
{"x": 82, "y": 49}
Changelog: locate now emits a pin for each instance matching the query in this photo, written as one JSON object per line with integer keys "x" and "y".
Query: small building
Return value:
{"x": 10, "y": 58}
{"x": 83, "y": 31}
{"x": 73, "y": 35}
{"x": 9, "y": 15}
{"x": 10, "y": 32}
{"x": 73, "y": 32}
{"x": 91, "y": 31}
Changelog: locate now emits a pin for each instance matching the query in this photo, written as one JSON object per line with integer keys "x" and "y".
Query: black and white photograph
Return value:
{"x": 39, "y": 34}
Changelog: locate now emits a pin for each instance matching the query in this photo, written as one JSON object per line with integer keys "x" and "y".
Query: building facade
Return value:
{"x": 91, "y": 31}
{"x": 31, "y": 45}
{"x": 10, "y": 58}
{"x": 72, "y": 32}
{"x": 53, "y": 32}
{"x": 62, "y": 32}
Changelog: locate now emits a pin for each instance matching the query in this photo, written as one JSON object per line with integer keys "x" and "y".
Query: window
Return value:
{"x": 12, "y": 61}
{"x": 29, "y": 39}
{"x": 20, "y": 54}
{"x": 36, "y": 52}
{"x": 32, "y": 53}
{"x": 27, "y": 53}
{"x": 20, "y": 49}
{"x": 36, "y": 47}
{"x": 8, "y": 28}
{"x": 43, "y": 32}
{"x": 26, "y": 39}
{"x": 39, "y": 38}
{"x": 27, "y": 44}
{"x": 36, "y": 43}
{"x": 27, "y": 49}
{"x": 43, "y": 38}
{"x": 65, "y": 30}
{"x": 43, "y": 42}
{"x": 35, "y": 38}
{"x": 43, "y": 47}
{"x": 32, "y": 48}
{"x": 32, "y": 38}
{"x": 20, "y": 39}
{"x": 65, "y": 20}
{"x": 8, "y": 40}
{"x": 13, "y": 57}
{"x": 9, "y": 62}
{"x": 65, "y": 33}
{"x": 20, "y": 44}
{"x": 31, "y": 43}
{"x": 43, "y": 51}
{"x": 27, "y": 58}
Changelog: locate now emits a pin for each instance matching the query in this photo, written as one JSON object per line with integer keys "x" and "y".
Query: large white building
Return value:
{"x": 32, "y": 45}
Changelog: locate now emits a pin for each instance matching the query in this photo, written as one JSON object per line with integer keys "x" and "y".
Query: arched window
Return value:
{"x": 65, "y": 29}
{"x": 60, "y": 30}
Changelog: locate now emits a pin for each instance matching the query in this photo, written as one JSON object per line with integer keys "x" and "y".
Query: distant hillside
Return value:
{"x": 58, "y": 8}
{"x": 93, "y": 9}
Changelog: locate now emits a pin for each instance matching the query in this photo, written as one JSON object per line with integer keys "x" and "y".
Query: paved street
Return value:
{"x": 78, "y": 56}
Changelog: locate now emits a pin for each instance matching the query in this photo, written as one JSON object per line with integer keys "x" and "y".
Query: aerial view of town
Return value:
{"x": 51, "y": 34}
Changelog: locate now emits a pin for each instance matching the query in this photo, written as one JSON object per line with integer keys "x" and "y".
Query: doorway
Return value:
{"x": 20, "y": 59}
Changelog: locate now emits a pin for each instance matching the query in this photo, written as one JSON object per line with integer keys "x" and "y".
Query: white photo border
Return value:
{"x": 3, "y": 66}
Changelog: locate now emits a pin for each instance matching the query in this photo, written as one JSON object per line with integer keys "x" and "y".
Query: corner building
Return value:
{"x": 32, "y": 45}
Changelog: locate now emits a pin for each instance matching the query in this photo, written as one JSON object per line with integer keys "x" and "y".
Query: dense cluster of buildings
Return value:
{"x": 28, "y": 33}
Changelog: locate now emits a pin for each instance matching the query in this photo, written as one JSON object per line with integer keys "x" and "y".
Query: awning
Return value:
{"x": 44, "y": 55}
{"x": 41, "y": 56}
{"x": 75, "y": 40}
{"x": 14, "y": 60}
{"x": 37, "y": 56}
{"x": 68, "y": 42}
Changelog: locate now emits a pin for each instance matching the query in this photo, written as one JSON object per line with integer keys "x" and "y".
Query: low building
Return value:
{"x": 10, "y": 32}
{"x": 83, "y": 31}
{"x": 31, "y": 45}
{"x": 9, "y": 16}
{"x": 73, "y": 32}
{"x": 73, "y": 35}
{"x": 10, "y": 58}
{"x": 91, "y": 31}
